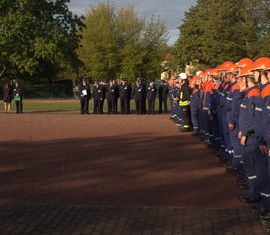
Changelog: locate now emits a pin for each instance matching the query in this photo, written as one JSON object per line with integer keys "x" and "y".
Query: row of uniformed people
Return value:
{"x": 141, "y": 93}
{"x": 230, "y": 111}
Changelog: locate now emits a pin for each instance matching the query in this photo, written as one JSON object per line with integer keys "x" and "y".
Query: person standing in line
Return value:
{"x": 129, "y": 93}
{"x": 194, "y": 105}
{"x": 104, "y": 88}
{"x": 110, "y": 96}
{"x": 7, "y": 97}
{"x": 138, "y": 96}
{"x": 97, "y": 97}
{"x": 123, "y": 90}
{"x": 184, "y": 102}
{"x": 248, "y": 138}
{"x": 85, "y": 96}
{"x": 163, "y": 91}
{"x": 151, "y": 97}
{"x": 116, "y": 89}
{"x": 142, "y": 82}
{"x": 18, "y": 97}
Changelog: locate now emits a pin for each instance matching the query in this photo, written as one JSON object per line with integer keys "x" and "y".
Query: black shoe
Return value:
{"x": 266, "y": 223}
{"x": 82, "y": 113}
{"x": 184, "y": 130}
{"x": 240, "y": 176}
{"x": 241, "y": 181}
{"x": 194, "y": 134}
{"x": 259, "y": 210}
{"x": 265, "y": 217}
{"x": 242, "y": 186}
{"x": 249, "y": 199}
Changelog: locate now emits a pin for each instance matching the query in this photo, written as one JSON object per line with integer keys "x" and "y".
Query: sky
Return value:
{"x": 170, "y": 11}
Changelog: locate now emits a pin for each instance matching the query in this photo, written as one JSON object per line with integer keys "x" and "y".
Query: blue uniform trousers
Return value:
{"x": 263, "y": 177}
{"x": 237, "y": 149}
{"x": 194, "y": 118}
{"x": 249, "y": 159}
{"x": 216, "y": 133}
{"x": 226, "y": 135}
{"x": 220, "y": 111}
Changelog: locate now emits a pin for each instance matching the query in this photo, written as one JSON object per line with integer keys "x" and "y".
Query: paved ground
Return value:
{"x": 154, "y": 179}
{"x": 48, "y": 219}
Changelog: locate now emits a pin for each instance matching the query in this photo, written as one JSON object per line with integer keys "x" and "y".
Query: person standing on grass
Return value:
{"x": 85, "y": 96}
{"x": 110, "y": 96}
{"x": 151, "y": 97}
{"x": 7, "y": 97}
{"x": 18, "y": 97}
{"x": 163, "y": 91}
{"x": 97, "y": 97}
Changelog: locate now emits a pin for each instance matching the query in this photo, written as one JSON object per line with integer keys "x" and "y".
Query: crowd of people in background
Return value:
{"x": 228, "y": 108}
{"x": 143, "y": 94}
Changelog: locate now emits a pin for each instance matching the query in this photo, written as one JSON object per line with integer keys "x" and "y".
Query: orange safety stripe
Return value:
{"x": 266, "y": 91}
{"x": 255, "y": 92}
{"x": 235, "y": 87}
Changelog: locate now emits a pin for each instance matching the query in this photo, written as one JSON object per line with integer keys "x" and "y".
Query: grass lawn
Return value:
{"x": 65, "y": 105}
{"x": 51, "y": 105}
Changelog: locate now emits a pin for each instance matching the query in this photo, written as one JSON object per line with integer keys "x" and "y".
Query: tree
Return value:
{"x": 118, "y": 43}
{"x": 36, "y": 33}
{"x": 216, "y": 31}
{"x": 129, "y": 28}
{"x": 99, "y": 49}
{"x": 155, "y": 42}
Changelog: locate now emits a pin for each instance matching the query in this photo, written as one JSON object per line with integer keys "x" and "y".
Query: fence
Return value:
{"x": 55, "y": 90}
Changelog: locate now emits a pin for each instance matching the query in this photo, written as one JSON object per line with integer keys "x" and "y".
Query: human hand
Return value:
{"x": 243, "y": 140}
{"x": 231, "y": 127}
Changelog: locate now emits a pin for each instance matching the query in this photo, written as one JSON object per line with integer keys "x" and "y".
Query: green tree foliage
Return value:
{"x": 214, "y": 31}
{"x": 118, "y": 43}
{"x": 37, "y": 36}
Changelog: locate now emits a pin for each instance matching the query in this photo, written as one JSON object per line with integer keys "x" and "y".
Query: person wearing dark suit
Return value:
{"x": 138, "y": 94}
{"x": 116, "y": 86}
{"x": 124, "y": 96}
{"x": 85, "y": 96}
{"x": 163, "y": 91}
{"x": 151, "y": 97}
{"x": 97, "y": 97}
{"x": 110, "y": 96}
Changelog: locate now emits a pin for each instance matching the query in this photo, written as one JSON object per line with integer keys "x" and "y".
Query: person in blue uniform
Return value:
{"x": 233, "y": 100}
{"x": 85, "y": 96}
{"x": 248, "y": 139}
{"x": 18, "y": 97}
{"x": 261, "y": 155}
{"x": 194, "y": 106}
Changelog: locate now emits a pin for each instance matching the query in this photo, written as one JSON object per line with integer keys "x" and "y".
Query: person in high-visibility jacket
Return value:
{"x": 184, "y": 102}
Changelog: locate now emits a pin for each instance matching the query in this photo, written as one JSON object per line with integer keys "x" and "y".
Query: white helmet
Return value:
{"x": 183, "y": 75}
